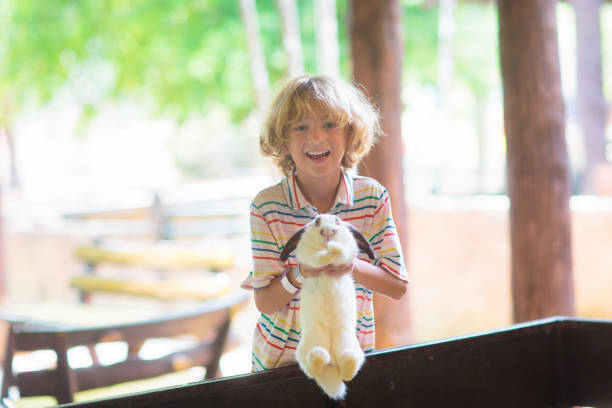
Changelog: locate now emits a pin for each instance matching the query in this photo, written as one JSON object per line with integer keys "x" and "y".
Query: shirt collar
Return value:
{"x": 296, "y": 200}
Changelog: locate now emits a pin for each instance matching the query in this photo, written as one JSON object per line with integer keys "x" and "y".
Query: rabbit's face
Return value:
{"x": 327, "y": 225}
{"x": 318, "y": 235}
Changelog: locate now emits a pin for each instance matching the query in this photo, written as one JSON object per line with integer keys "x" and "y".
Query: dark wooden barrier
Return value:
{"x": 557, "y": 362}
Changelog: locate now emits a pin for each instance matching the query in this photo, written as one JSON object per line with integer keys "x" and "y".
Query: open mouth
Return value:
{"x": 318, "y": 155}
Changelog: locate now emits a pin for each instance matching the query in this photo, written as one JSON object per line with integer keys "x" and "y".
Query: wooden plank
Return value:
{"x": 556, "y": 362}
{"x": 587, "y": 361}
{"x": 212, "y": 254}
{"x": 202, "y": 288}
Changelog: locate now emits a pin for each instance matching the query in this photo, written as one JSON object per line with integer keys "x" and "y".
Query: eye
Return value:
{"x": 337, "y": 221}
{"x": 300, "y": 127}
{"x": 330, "y": 125}
{"x": 318, "y": 221}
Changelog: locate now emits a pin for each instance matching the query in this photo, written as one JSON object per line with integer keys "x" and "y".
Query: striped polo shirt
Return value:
{"x": 279, "y": 211}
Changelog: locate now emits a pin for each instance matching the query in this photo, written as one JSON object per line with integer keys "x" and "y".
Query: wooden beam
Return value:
{"x": 538, "y": 176}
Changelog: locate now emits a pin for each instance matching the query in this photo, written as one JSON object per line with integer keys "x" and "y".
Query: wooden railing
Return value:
{"x": 557, "y": 362}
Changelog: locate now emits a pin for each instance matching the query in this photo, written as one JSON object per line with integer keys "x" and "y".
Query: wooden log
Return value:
{"x": 376, "y": 49}
{"x": 538, "y": 179}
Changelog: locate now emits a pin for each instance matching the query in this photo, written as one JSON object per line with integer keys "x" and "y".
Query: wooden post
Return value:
{"x": 538, "y": 180}
{"x": 376, "y": 48}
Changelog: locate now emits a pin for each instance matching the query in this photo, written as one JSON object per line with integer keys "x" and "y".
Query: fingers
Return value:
{"x": 338, "y": 270}
{"x": 331, "y": 270}
{"x": 309, "y": 272}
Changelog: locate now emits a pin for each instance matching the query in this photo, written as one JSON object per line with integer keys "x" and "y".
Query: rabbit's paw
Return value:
{"x": 336, "y": 248}
{"x": 350, "y": 361}
{"x": 317, "y": 358}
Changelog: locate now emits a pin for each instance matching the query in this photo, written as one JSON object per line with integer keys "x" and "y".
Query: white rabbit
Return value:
{"x": 328, "y": 350}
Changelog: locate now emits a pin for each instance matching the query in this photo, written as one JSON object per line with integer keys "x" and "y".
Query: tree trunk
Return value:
{"x": 538, "y": 180}
{"x": 326, "y": 33}
{"x": 376, "y": 48}
{"x": 590, "y": 99}
{"x": 291, "y": 36}
{"x": 259, "y": 71}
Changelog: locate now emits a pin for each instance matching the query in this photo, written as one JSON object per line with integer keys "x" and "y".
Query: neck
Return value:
{"x": 320, "y": 193}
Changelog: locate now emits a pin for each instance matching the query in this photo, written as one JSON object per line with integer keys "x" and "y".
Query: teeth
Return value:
{"x": 317, "y": 155}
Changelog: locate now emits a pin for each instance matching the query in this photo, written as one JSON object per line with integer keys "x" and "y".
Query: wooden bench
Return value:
{"x": 151, "y": 269}
{"x": 557, "y": 362}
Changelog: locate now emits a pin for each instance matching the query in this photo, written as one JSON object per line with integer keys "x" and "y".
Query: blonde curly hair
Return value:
{"x": 341, "y": 102}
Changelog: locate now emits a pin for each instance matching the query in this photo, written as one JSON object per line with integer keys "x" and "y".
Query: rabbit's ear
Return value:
{"x": 291, "y": 244}
{"x": 362, "y": 242}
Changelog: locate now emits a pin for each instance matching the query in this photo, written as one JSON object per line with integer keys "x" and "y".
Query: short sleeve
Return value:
{"x": 265, "y": 253}
{"x": 385, "y": 240}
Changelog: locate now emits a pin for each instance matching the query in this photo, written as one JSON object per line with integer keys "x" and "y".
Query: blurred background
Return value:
{"x": 106, "y": 107}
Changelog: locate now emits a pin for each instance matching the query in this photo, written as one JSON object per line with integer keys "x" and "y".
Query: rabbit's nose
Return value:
{"x": 328, "y": 232}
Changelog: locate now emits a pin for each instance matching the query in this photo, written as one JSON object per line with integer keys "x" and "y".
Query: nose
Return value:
{"x": 317, "y": 134}
{"x": 328, "y": 232}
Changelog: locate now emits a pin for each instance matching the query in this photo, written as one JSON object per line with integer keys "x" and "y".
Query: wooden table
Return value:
{"x": 208, "y": 322}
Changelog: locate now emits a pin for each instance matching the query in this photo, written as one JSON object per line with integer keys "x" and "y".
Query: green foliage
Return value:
{"x": 184, "y": 56}
{"x": 476, "y": 47}
{"x": 475, "y": 56}
{"x": 420, "y": 27}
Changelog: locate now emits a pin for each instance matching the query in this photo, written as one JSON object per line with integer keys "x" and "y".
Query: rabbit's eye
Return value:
{"x": 337, "y": 221}
{"x": 318, "y": 221}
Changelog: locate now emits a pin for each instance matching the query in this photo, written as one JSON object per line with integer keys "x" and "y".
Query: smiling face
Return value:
{"x": 316, "y": 145}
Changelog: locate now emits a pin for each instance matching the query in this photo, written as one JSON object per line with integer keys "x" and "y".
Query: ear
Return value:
{"x": 362, "y": 242}
{"x": 291, "y": 244}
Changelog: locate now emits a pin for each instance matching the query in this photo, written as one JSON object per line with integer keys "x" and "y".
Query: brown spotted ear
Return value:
{"x": 291, "y": 244}
{"x": 362, "y": 242}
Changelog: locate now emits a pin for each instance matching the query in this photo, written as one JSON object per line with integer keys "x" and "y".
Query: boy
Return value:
{"x": 316, "y": 130}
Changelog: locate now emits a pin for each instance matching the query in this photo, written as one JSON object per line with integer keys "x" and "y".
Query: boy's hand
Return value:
{"x": 339, "y": 270}
{"x": 331, "y": 270}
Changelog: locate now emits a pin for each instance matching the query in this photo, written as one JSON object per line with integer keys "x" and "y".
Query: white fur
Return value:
{"x": 328, "y": 350}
